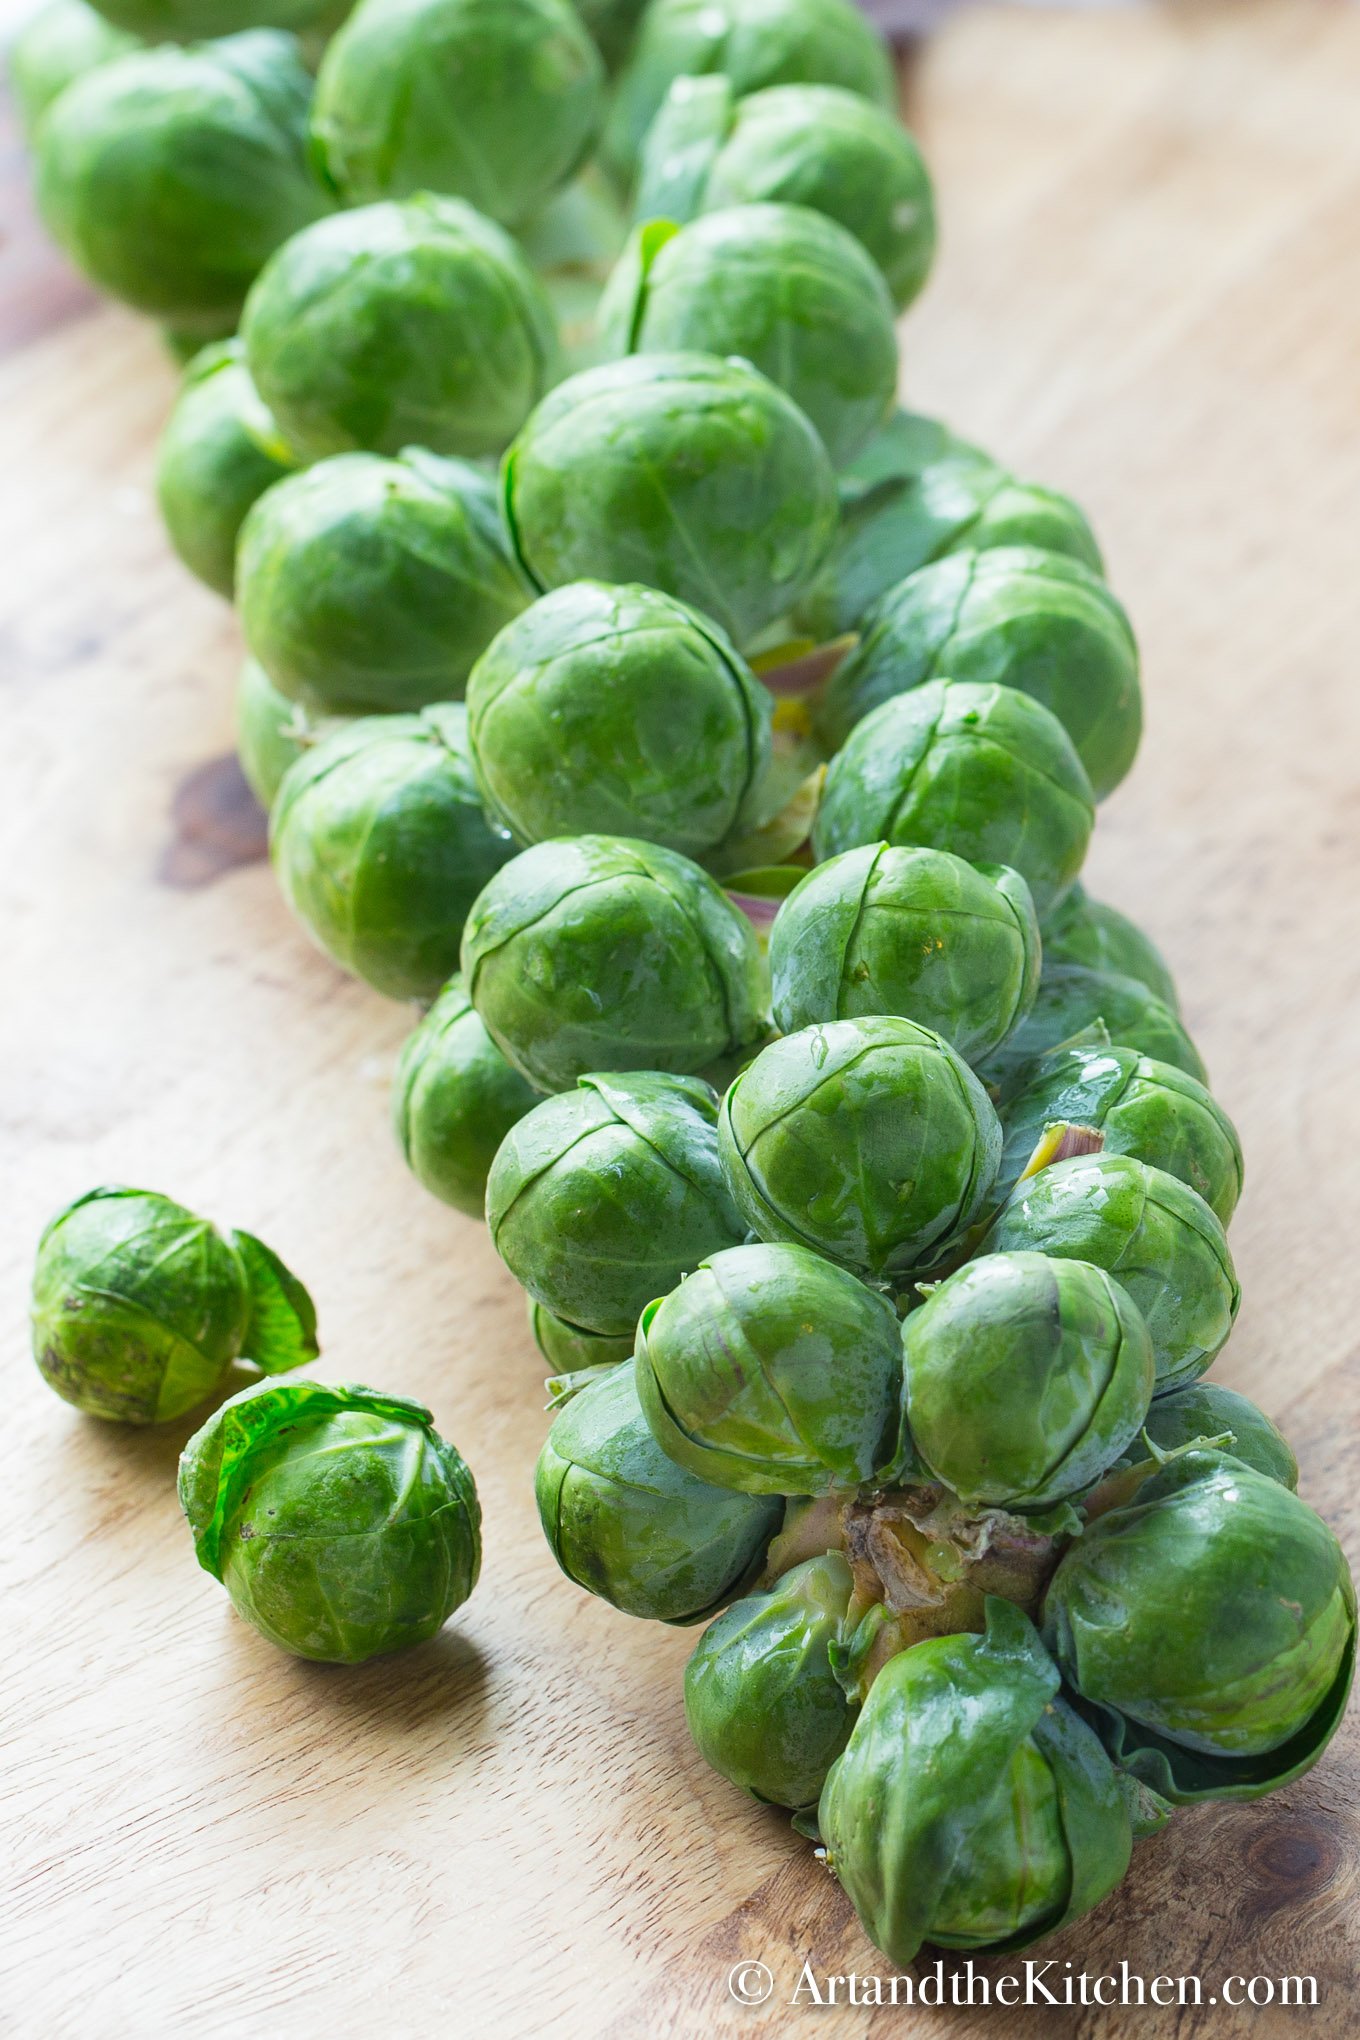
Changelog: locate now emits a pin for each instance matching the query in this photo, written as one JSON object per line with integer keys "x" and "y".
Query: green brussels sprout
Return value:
{"x": 381, "y": 847}
{"x": 569, "y": 1349}
{"x": 914, "y": 932}
{"x": 182, "y": 21}
{"x": 413, "y": 321}
{"x": 754, "y": 43}
{"x": 785, "y": 289}
{"x": 1025, "y": 1378}
{"x": 1085, "y": 931}
{"x": 869, "y": 1140}
{"x": 911, "y": 511}
{"x": 1072, "y": 1000}
{"x": 57, "y": 45}
{"x": 601, "y": 952}
{"x": 764, "y": 1705}
{"x": 140, "y": 1308}
{"x": 218, "y": 454}
{"x": 272, "y": 732}
{"x": 612, "y": 25}
{"x": 972, "y": 1807}
{"x": 984, "y": 771}
{"x": 626, "y": 1523}
{"x": 772, "y": 1370}
{"x": 810, "y": 145}
{"x": 602, "y": 1198}
{"x": 454, "y": 1099}
{"x": 170, "y": 175}
{"x": 494, "y": 101}
{"x": 1140, "y": 1106}
{"x": 1211, "y": 1623}
{"x": 1205, "y": 1410}
{"x": 370, "y": 585}
{"x": 339, "y": 1521}
{"x": 1038, "y": 621}
{"x": 1153, "y": 1233}
{"x": 618, "y": 710}
{"x": 685, "y": 473}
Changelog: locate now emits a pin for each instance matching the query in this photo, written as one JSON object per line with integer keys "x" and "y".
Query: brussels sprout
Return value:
{"x": 868, "y": 1140}
{"x": 972, "y": 1807}
{"x": 191, "y": 20}
{"x": 773, "y": 1371}
{"x": 1069, "y": 1003}
{"x": 408, "y": 322}
{"x": 913, "y": 932}
{"x": 601, "y": 952}
{"x": 368, "y": 584}
{"x": 454, "y": 1099}
{"x": 912, "y": 511}
{"x": 604, "y": 1197}
{"x": 984, "y": 771}
{"x": 626, "y": 1523}
{"x": 685, "y": 473}
{"x": 618, "y": 709}
{"x": 1018, "y": 616}
{"x": 1025, "y": 1378}
{"x": 570, "y": 1350}
{"x": 1140, "y": 1106}
{"x": 140, "y": 1308}
{"x": 1152, "y": 1232}
{"x": 272, "y": 732}
{"x": 57, "y": 45}
{"x": 764, "y": 1706}
{"x": 1087, "y": 932}
{"x": 380, "y": 845}
{"x": 786, "y": 289}
{"x": 218, "y": 454}
{"x": 754, "y": 43}
{"x": 1215, "y": 1615}
{"x": 809, "y": 145}
{"x": 169, "y": 176}
{"x": 1205, "y": 1410}
{"x": 339, "y": 1521}
{"x": 494, "y": 101}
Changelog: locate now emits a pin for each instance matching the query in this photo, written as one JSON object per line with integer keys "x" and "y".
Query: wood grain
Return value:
{"x": 1149, "y": 294}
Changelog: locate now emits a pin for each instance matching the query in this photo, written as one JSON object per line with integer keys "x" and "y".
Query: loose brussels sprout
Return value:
{"x": 1018, "y": 616}
{"x": 1212, "y": 1624}
{"x": 1087, "y": 932}
{"x": 169, "y": 176}
{"x": 1072, "y": 1000}
{"x": 380, "y": 846}
{"x": 754, "y": 43}
{"x": 785, "y": 289}
{"x": 810, "y": 145}
{"x": 763, "y": 1704}
{"x": 604, "y": 1197}
{"x": 569, "y": 1350}
{"x": 1206, "y": 1410}
{"x": 618, "y": 709}
{"x": 272, "y": 732}
{"x": 868, "y": 1140}
{"x": 984, "y": 771}
{"x": 218, "y": 454}
{"x": 408, "y": 322}
{"x": 914, "y": 932}
{"x": 454, "y": 1099}
{"x": 972, "y": 1807}
{"x": 688, "y": 474}
{"x": 1141, "y": 1107}
{"x": 368, "y": 584}
{"x": 57, "y": 45}
{"x": 339, "y": 1521}
{"x": 601, "y": 952}
{"x": 1152, "y": 1232}
{"x": 1025, "y": 1378}
{"x": 140, "y": 1308}
{"x": 773, "y": 1371}
{"x": 191, "y": 20}
{"x": 494, "y": 101}
{"x": 626, "y": 1523}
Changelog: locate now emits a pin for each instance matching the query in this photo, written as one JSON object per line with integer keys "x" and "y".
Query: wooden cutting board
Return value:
{"x": 1150, "y": 295}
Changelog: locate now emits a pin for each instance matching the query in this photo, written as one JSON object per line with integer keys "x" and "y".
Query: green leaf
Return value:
{"x": 281, "y": 1333}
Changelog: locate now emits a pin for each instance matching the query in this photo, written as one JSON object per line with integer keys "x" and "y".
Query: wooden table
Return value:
{"x": 1150, "y": 295}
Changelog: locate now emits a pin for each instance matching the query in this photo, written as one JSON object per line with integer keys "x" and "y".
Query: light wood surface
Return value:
{"x": 1149, "y": 294}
